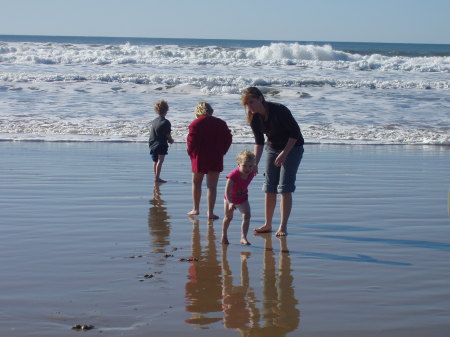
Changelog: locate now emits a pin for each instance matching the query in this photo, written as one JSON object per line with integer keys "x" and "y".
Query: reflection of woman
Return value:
{"x": 288, "y": 317}
{"x": 279, "y": 314}
{"x": 284, "y": 150}
{"x": 208, "y": 141}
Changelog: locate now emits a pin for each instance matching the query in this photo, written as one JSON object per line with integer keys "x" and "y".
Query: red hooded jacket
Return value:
{"x": 208, "y": 141}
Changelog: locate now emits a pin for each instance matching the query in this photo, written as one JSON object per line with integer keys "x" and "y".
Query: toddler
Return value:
{"x": 236, "y": 194}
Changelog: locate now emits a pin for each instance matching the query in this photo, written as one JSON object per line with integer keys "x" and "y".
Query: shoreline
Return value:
{"x": 235, "y": 143}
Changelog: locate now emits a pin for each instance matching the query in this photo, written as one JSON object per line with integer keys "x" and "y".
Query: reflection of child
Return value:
{"x": 237, "y": 303}
{"x": 159, "y": 138}
{"x": 236, "y": 194}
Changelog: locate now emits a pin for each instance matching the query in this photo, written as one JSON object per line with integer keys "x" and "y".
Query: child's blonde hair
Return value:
{"x": 245, "y": 156}
{"x": 161, "y": 107}
{"x": 203, "y": 109}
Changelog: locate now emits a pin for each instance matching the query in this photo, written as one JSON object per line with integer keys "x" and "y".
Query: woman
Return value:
{"x": 284, "y": 150}
{"x": 208, "y": 141}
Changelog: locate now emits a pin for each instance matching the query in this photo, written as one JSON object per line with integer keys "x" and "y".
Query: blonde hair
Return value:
{"x": 245, "y": 156}
{"x": 161, "y": 107}
{"x": 250, "y": 92}
{"x": 203, "y": 109}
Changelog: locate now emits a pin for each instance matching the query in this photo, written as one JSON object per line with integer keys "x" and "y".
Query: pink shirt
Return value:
{"x": 239, "y": 191}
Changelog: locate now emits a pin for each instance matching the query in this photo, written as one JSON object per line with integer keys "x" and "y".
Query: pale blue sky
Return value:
{"x": 409, "y": 21}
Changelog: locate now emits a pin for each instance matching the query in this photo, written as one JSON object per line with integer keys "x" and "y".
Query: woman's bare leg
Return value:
{"x": 270, "y": 203}
{"x": 285, "y": 210}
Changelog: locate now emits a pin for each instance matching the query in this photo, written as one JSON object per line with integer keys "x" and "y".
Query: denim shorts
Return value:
{"x": 281, "y": 179}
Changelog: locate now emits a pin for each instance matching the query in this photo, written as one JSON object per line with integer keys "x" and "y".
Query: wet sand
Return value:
{"x": 88, "y": 239}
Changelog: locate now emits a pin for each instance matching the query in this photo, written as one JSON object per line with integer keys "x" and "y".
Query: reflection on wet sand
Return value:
{"x": 239, "y": 309}
{"x": 212, "y": 288}
{"x": 158, "y": 221}
{"x": 204, "y": 288}
{"x": 279, "y": 312}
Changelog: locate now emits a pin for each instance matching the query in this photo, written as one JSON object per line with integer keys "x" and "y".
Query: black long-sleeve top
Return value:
{"x": 279, "y": 126}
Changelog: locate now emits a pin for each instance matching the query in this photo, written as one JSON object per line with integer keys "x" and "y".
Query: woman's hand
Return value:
{"x": 279, "y": 161}
{"x": 258, "y": 150}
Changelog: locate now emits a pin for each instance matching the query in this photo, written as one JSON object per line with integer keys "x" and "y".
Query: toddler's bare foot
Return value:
{"x": 244, "y": 241}
{"x": 264, "y": 229}
{"x": 193, "y": 212}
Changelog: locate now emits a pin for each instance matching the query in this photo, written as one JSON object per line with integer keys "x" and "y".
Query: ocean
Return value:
{"x": 90, "y": 239}
{"x": 101, "y": 89}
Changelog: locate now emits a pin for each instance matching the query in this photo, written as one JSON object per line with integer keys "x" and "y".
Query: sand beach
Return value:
{"x": 88, "y": 239}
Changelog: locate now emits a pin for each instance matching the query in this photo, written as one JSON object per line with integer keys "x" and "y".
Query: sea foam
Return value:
{"x": 59, "y": 91}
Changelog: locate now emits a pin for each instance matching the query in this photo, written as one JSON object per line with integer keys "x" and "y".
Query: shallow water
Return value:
{"x": 88, "y": 240}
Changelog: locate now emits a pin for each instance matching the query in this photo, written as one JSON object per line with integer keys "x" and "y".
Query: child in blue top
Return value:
{"x": 160, "y": 136}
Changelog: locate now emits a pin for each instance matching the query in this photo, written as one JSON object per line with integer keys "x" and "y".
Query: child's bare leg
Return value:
{"x": 212, "y": 179}
{"x": 197, "y": 179}
{"x": 225, "y": 225}
{"x": 245, "y": 210}
{"x": 157, "y": 168}
{"x": 245, "y": 224}
{"x": 226, "y": 222}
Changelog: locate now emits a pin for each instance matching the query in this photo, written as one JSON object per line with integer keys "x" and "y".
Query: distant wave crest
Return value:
{"x": 296, "y": 51}
{"x": 282, "y": 54}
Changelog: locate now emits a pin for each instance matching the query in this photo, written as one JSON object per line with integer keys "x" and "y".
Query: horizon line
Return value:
{"x": 215, "y": 39}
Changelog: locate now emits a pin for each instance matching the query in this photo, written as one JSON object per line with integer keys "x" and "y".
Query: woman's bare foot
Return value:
{"x": 193, "y": 212}
{"x": 244, "y": 241}
{"x": 225, "y": 241}
{"x": 213, "y": 217}
{"x": 263, "y": 229}
{"x": 281, "y": 232}
{"x": 160, "y": 181}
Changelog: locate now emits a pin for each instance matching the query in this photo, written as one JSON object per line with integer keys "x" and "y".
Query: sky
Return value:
{"x": 402, "y": 21}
